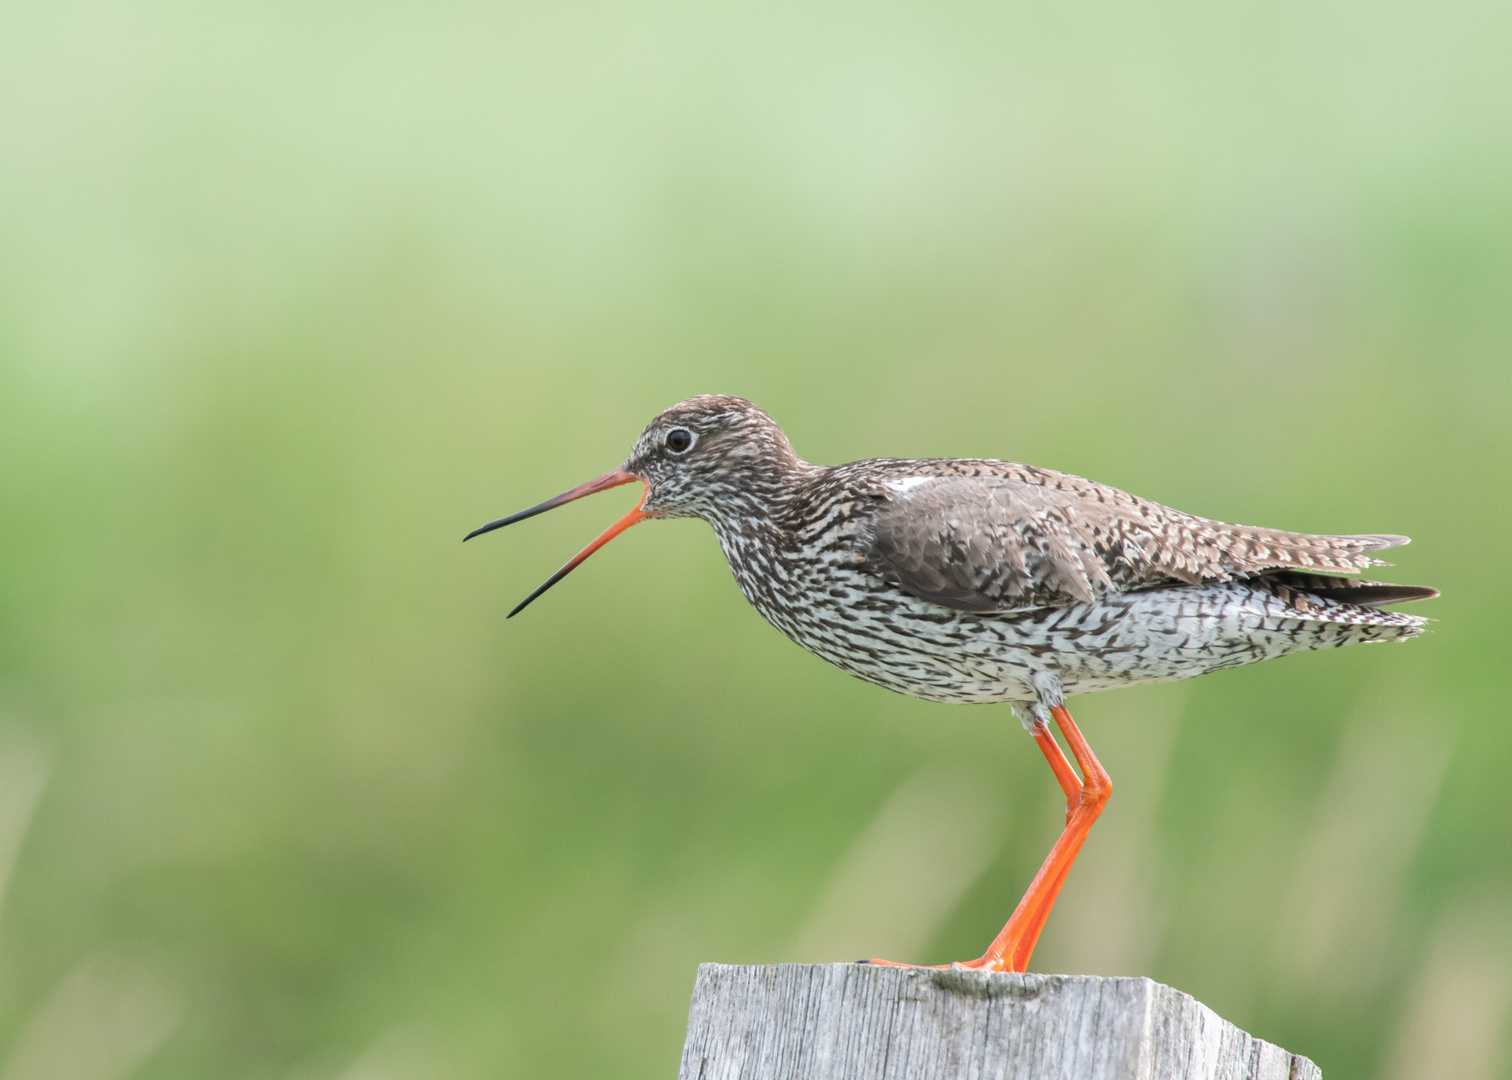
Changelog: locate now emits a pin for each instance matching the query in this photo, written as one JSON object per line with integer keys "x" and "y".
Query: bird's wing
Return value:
{"x": 995, "y": 544}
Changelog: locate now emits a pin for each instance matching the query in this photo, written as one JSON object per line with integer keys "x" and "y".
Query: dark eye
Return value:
{"x": 679, "y": 439}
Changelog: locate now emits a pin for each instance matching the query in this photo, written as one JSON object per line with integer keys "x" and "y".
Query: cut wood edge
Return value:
{"x": 868, "y": 1022}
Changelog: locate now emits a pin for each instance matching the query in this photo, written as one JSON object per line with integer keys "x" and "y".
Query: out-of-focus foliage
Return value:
{"x": 293, "y": 295}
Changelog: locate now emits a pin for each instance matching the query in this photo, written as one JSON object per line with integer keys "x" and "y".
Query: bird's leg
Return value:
{"x": 1011, "y": 949}
{"x": 1069, "y": 781}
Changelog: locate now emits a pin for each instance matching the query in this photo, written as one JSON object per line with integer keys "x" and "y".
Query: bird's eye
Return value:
{"x": 679, "y": 439}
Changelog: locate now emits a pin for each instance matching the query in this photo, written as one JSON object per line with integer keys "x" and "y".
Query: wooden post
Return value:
{"x": 861, "y": 1022}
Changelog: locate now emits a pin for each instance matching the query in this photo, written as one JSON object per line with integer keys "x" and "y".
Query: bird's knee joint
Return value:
{"x": 1096, "y": 790}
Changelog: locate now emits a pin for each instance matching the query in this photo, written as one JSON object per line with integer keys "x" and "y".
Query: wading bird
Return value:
{"x": 971, "y": 580}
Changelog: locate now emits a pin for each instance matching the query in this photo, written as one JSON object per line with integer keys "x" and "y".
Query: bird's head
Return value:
{"x": 706, "y": 455}
{"x": 712, "y": 456}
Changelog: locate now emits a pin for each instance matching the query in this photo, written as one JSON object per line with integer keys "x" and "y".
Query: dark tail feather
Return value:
{"x": 1347, "y": 590}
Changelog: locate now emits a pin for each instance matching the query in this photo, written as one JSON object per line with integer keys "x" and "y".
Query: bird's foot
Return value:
{"x": 981, "y": 963}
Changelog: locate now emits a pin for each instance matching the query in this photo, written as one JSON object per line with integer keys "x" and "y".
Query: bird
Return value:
{"x": 971, "y": 580}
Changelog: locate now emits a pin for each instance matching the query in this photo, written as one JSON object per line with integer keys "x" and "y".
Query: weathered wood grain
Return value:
{"x": 861, "y": 1022}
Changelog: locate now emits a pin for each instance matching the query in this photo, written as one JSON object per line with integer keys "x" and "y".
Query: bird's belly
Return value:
{"x": 905, "y": 644}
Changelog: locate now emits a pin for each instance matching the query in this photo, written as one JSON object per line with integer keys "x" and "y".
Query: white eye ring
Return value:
{"x": 679, "y": 440}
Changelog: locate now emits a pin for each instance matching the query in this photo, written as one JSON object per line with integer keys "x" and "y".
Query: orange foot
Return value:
{"x": 1011, "y": 949}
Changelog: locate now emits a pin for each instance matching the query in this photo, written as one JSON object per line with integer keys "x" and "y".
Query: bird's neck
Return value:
{"x": 759, "y": 509}
{"x": 760, "y": 531}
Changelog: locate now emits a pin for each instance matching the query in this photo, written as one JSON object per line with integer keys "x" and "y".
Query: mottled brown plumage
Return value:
{"x": 993, "y": 536}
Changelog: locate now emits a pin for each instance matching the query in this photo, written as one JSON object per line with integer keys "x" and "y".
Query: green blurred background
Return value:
{"x": 294, "y": 295}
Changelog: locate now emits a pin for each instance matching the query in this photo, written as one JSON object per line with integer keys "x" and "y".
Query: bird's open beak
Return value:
{"x": 614, "y": 478}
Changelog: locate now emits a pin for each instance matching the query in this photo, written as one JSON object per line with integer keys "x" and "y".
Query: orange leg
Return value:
{"x": 1011, "y": 949}
{"x": 1069, "y": 782}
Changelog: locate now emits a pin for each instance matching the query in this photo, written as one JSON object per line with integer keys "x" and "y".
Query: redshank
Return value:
{"x": 971, "y": 580}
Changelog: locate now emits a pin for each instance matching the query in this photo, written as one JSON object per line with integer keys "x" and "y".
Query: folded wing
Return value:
{"x": 996, "y": 544}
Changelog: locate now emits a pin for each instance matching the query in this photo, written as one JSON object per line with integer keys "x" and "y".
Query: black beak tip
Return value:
{"x": 490, "y": 527}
